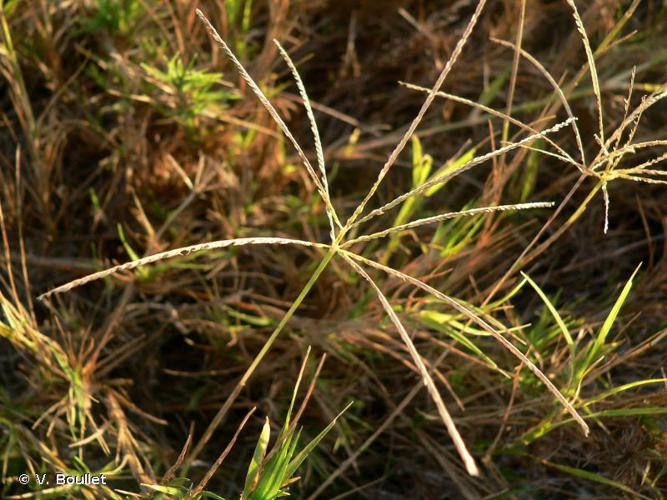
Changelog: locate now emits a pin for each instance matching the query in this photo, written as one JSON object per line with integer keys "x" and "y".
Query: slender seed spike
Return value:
{"x": 177, "y": 252}
{"x": 215, "y": 36}
{"x": 314, "y": 130}
{"x": 438, "y": 218}
{"x": 591, "y": 65}
{"x": 605, "y": 196}
{"x": 554, "y": 84}
{"x": 415, "y": 123}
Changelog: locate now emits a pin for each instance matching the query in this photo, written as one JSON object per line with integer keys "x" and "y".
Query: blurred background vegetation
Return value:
{"x": 124, "y": 131}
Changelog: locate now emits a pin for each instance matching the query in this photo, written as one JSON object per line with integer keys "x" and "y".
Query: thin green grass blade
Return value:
{"x": 421, "y": 163}
{"x": 492, "y": 305}
{"x": 257, "y": 458}
{"x": 609, "y": 322}
{"x": 548, "y": 425}
{"x": 298, "y": 460}
{"x": 592, "y": 476}
{"x": 650, "y": 411}
{"x": 288, "y": 417}
{"x": 494, "y": 88}
{"x": 552, "y": 309}
{"x": 438, "y": 320}
{"x": 450, "y": 167}
{"x": 278, "y": 473}
{"x": 210, "y": 494}
{"x": 625, "y": 387}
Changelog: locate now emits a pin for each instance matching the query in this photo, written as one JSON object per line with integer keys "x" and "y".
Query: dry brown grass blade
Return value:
{"x": 10, "y": 69}
{"x": 127, "y": 444}
{"x": 171, "y": 472}
{"x": 420, "y": 115}
{"x": 178, "y": 252}
{"x": 98, "y": 436}
{"x": 202, "y": 484}
{"x": 309, "y": 391}
{"x": 463, "y": 168}
{"x": 451, "y": 215}
{"x": 215, "y": 36}
{"x": 465, "y": 310}
{"x": 427, "y": 380}
{"x": 8, "y": 258}
{"x": 515, "y": 71}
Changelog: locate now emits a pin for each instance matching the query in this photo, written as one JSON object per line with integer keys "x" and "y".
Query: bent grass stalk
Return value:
{"x": 474, "y": 317}
{"x": 351, "y": 258}
{"x": 468, "y": 461}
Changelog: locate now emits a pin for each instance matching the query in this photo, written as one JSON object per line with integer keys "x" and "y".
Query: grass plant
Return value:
{"x": 248, "y": 238}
